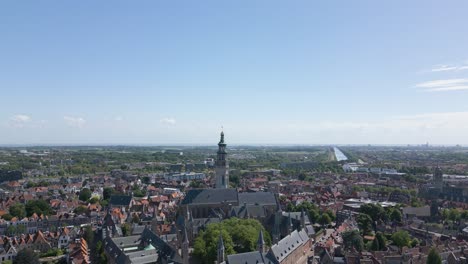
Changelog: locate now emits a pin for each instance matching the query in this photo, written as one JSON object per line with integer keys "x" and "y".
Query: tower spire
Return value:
{"x": 185, "y": 248}
{"x": 221, "y": 141}
{"x": 220, "y": 249}
{"x": 290, "y": 225}
{"x": 302, "y": 218}
{"x": 261, "y": 242}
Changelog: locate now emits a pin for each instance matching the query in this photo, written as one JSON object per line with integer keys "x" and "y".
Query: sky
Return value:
{"x": 268, "y": 72}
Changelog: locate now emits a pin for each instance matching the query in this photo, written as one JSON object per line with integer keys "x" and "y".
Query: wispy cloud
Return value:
{"x": 78, "y": 122}
{"x": 168, "y": 121}
{"x": 118, "y": 118}
{"x": 446, "y": 68}
{"x": 444, "y": 85}
{"x": 441, "y": 68}
{"x": 449, "y": 88}
{"x": 19, "y": 120}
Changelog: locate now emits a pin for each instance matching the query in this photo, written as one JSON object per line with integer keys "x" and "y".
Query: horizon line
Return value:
{"x": 15, "y": 145}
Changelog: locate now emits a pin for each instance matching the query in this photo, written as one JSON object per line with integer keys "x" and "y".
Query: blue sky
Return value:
{"x": 286, "y": 72}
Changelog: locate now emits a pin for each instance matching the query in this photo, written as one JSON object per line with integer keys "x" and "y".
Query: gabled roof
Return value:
{"x": 210, "y": 196}
{"x": 255, "y": 211}
{"x": 120, "y": 200}
{"x": 257, "y": 198}
{"x": 254, "y": 257}
{"x": 40, "y": 238}
{"x": 288, "y": 244}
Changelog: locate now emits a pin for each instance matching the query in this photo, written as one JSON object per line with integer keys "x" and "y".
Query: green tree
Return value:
{"x": 445, "y": 214}
{"x": 93, "y": 200}
{"x": 330, "y": 214}
{"x": 454, "y": 215}
{"x": 107, "y": 193}
{"x": 313, "y": 216}
{"x": 324, "y": 220}
{"x": 18, "y": 210}
{"x": 414, "y": 242}
{"x": 375, "y": 211}
{"x": 7, "y": 217}
{"x": 100, "y": 254}
{"x": 85, "y": 194}
{"x": 352, "y": 239}
{"x": 39, "y": 207}
{"x": 239, "y": 235}
{"x": 415, "y": 202}
{"x": 382, "y": 241}
{"x": 126, "y": 229}
{"x": 433, "y": 257}
{"x": 11, "y": 230}
{"x": 26, "y": 256}
{"x": 401, "y": 239}
{"x": 464, "y": 214}
{"x": 375, "y": 245}
{"x": 364, "y": 222}
{"x": 80, "y": 210}
{"x": 395, "y": 216}
{"x": 206, "y": 248}
{"x": 88, "y": 235}
{"x": 146, "y": 180}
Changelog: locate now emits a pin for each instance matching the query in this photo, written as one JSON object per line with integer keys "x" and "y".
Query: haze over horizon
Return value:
{"x": 270, "y": 72}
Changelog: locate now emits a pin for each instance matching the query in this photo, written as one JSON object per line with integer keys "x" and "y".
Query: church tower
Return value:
{"x": 222, "y": 165}
{"x": 438, "y": 177}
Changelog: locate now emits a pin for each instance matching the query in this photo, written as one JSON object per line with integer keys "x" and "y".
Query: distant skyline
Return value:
{"x": 269, "y": 72}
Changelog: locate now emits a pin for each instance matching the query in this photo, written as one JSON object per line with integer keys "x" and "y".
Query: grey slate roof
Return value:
{"x": 138, "y": 229}
{"x": 257, "y": 198}
{"x": 120, "y": 200}
{"x": 200, "y": 223}
{"x": 255, "y": 211}
{"x": 162, "y": 247}
{"x": 143, "y": 256}
{"x": 123, "y": 242}
{"x": 288, "y": 244}
{"x": 210, "y": 196}
{"x": 254, "y": 257}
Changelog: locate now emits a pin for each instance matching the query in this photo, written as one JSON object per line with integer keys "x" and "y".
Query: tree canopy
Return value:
{"x": 239, "y": 235}
{"x": 401, "y": 239}
{"x": 39, "y": 207}
{"x": 324, "y": 219}
{"x": 88, "y": 235}
{"x": 18, "y": 210}
{"x": 26, "y": 256}
{"x": 433, "y": 257}
{"x": 364, "y": 222}
{"x": 382, "y": 241}
{"x": 375, "y": 211}
{"x": 352, "y": 239}
{"x": 395, "y": 215}
{"x": 85, "y": 194}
